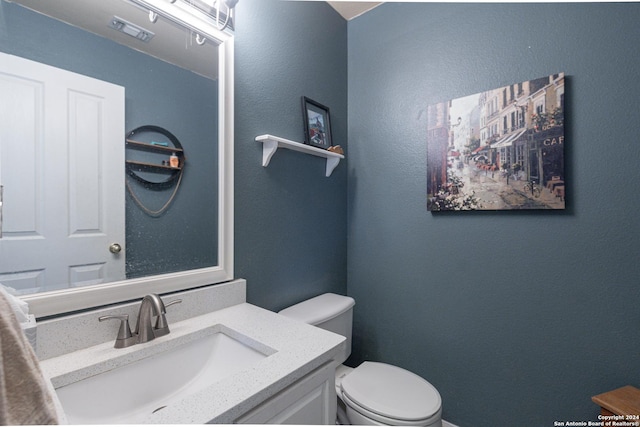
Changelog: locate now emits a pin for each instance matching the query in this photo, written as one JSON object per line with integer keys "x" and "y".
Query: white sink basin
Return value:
{"x": 130, "y": 393}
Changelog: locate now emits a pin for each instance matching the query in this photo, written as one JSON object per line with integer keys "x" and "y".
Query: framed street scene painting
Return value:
{"x": 502, "y": 149}
{"x": 317, "y": 126}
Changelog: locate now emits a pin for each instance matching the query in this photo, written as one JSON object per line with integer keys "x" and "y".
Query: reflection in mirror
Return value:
{"x": 68, "y": 174}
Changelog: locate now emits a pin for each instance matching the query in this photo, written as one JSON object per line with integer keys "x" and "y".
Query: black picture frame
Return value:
{"x": 317, "y": 124}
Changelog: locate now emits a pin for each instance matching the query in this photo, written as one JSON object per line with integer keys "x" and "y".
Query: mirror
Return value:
{"x": 191, "y": 243}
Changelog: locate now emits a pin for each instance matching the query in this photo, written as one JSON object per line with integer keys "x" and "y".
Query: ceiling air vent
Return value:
{"x": 130, "y": 29}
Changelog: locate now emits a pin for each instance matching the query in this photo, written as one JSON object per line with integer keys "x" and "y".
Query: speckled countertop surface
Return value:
{"x": 294, "y": 349}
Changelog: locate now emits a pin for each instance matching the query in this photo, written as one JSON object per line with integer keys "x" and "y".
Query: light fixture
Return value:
{"x": 214, "y": 8}
{"x": 130, "y": 29}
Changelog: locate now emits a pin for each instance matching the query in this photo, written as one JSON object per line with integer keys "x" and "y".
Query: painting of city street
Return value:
{"x": 502, "y": 149}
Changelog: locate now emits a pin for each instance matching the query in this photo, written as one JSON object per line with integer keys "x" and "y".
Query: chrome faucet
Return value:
{"x": 151, "y": 306}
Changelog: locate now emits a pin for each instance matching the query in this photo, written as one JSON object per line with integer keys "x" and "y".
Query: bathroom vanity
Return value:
{"x": 224, "y": 361}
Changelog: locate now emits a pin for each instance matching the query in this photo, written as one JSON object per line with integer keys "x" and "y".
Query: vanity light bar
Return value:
{"x": 130, "y": 29}
{"x": 212, "y": 9}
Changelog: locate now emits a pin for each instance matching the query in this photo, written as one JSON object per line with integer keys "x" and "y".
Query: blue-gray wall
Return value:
{"x": 518, "y": 318}
{"x": 291, "y": 220}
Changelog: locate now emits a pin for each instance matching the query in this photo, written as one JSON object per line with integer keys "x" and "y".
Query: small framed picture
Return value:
{"x": 317, "y": 125}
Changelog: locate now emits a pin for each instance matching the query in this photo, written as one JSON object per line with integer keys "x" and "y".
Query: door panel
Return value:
{"x": 62, "y": 168}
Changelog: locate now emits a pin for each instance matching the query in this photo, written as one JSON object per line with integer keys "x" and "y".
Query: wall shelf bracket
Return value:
{"x": 270, "y": 145}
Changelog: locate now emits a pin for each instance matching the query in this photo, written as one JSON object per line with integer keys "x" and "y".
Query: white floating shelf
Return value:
{"x": 270, "y": 145}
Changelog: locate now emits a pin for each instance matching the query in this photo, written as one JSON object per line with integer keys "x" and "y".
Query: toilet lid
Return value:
{"x": 391, "y": 392}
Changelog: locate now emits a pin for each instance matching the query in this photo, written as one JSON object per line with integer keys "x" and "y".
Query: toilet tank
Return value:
{"x": 327, "y": 311}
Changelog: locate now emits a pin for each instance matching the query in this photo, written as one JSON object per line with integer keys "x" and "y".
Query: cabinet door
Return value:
{"x": 309, "y": 401}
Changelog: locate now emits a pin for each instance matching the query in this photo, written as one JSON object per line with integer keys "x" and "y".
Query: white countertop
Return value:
{"x": 299, "y": 349}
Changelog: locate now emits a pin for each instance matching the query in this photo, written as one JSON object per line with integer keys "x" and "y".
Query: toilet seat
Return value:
{"x": 373, "y": 418}
{"x": 391, "y": 395}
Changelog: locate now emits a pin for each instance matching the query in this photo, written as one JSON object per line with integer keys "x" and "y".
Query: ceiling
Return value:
{"x": 352, "y": 9}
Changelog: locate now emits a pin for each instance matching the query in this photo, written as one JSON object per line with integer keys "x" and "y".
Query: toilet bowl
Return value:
{"x": 381, "y": 394}
{"x": 373, "y": 393}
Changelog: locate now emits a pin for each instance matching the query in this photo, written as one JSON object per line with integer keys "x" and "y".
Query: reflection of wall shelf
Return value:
{"x": 151, "y": 147}
{"x": 151, "y": 167}
{"x": 270, "y": 145}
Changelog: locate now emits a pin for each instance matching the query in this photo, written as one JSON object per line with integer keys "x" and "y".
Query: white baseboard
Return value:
{"x": 448, "y": 424}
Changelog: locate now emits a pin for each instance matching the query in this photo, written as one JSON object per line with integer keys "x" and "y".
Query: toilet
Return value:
{"x": 374, "y": 393}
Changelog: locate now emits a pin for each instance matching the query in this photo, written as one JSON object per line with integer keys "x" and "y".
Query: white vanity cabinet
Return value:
{"x": 309, "y": 401}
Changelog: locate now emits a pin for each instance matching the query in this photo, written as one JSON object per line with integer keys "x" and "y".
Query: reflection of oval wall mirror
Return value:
{"x": 155, "y": 162}
{"x": 147, "y": 95}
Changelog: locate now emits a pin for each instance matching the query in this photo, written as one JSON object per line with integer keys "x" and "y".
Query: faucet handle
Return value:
{"x": 175, "y": 301}
{"x": 125, "y": 337}
{"x": 162, "y": 327}
{"x": 170, "y": 303}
